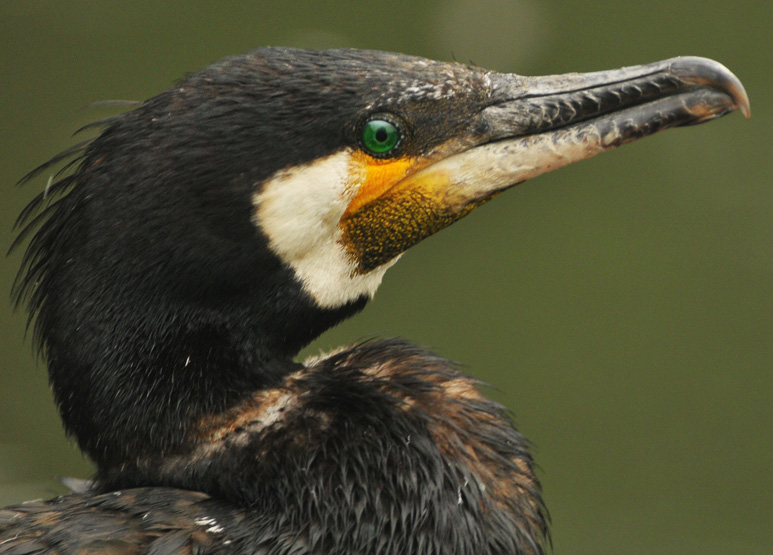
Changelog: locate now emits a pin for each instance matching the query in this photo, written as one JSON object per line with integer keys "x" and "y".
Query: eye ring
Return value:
{"x": 381, "y": 135}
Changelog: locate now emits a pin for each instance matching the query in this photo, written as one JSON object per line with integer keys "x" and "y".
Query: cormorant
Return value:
{"x": 204, "y": 237}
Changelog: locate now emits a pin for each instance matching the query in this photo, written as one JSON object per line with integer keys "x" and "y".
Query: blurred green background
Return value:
{"x": 622, "y": 307}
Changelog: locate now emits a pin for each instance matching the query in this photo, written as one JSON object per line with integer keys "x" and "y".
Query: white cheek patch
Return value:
{"x": 299, "y": 211}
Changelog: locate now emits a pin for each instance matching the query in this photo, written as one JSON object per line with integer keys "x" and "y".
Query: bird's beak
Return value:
{"x": 532, "y": 125}
{"x": 537, "y": 124}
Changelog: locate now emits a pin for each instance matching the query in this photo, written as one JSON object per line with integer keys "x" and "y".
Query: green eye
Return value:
{"x": 380, "y": 137}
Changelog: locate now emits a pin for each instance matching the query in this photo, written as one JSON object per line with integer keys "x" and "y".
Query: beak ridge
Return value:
{"x": 530, "y": 105}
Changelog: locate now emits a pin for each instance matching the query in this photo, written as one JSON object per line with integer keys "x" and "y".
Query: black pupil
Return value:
{"x": 381, "y": 135}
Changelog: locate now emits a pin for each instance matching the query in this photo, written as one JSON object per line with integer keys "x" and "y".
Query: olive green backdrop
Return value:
{"x": 620, "y": 307}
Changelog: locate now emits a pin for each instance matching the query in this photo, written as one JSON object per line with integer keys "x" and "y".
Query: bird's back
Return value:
{"x": 382, "y": 447}
{"x": 141, "y": 520}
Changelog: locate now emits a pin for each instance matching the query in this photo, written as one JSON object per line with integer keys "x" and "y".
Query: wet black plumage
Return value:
{"x": 169, "y": 313}
{"x": 352, "y": 471}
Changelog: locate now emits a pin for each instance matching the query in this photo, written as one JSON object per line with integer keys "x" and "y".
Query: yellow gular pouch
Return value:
{"x": 395, "y": 208}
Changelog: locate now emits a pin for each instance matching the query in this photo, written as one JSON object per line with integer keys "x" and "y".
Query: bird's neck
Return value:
{"x": 138, "y": 376}
{"x": 202, "y": 394}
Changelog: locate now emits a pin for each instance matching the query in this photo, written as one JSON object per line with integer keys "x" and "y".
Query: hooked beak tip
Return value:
{"x": 706, "y": 72}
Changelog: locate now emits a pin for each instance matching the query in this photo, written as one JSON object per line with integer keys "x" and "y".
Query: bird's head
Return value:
{"x": 374, "y": 152}
{"x": 338, "y": 161}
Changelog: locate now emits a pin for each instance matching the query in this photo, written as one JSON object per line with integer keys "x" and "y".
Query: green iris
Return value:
{"x": 380, "y": 137}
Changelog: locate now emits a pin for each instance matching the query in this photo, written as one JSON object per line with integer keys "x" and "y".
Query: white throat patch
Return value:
{"x": 299, "y": 210}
